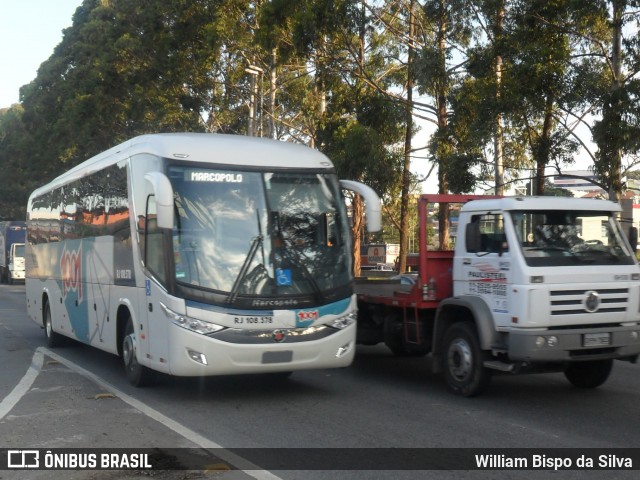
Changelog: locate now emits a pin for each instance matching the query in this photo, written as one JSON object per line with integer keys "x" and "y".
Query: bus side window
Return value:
{"x": 153, "y": 254}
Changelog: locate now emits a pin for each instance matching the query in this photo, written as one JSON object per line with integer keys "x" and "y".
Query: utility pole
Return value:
{"x": 254, "y": 111}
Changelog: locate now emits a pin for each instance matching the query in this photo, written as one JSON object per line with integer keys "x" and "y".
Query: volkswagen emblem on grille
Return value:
{"x": 279, "y": 335}
{"x": 592, "y": 301}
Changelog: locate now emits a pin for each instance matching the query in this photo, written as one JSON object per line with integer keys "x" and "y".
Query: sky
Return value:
{"x": 29, "y": 31}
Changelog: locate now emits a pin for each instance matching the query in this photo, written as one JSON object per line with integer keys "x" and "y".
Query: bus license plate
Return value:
{"x": 596, "y": 339}
{"x": 252, "y": 320}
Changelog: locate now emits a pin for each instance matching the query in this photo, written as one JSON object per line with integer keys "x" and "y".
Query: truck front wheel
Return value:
{"x": 462, "y": 360}
{"x": 589, "y": 374}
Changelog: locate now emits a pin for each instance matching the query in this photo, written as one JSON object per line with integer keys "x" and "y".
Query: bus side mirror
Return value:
{"x": 163, "y": 191}
{"x": 372, "y": 203}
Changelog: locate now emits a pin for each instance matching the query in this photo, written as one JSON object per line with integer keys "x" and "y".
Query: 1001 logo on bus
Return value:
{"x": 71, "y": 269}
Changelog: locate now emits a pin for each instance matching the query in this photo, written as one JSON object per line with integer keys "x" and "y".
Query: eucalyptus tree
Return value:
{"x": 123, "y": 68}
{"x": 538, "y": 87}
{"x": 615, "y": 93}
{"x": 485, "y": 122}
{"x": 339, "y": 83}
{"x": 447, "y": 32}
{"x": 21, "y": 177}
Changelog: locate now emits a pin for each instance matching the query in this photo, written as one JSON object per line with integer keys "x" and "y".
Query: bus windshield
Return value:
{"x": 557, "y": 238}
{"x": 257, "y": 234}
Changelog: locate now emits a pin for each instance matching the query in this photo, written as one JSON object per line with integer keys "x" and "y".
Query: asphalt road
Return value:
{"x": 79, "y": 397}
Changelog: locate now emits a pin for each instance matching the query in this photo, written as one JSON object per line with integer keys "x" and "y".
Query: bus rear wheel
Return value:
{"x": 138, "y": 375}
{"x": 53, "y": 339}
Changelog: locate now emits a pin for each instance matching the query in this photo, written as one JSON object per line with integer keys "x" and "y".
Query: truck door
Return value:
{"x": 486, "y": 264}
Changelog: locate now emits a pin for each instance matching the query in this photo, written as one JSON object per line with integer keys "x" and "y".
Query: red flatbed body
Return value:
{"x": 434, "y": 266}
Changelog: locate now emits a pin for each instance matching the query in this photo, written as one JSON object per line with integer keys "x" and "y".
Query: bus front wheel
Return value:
{"x": 138, "y": 375}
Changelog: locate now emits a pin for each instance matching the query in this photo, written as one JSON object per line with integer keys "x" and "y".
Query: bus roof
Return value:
{"x": 202, "y": 147}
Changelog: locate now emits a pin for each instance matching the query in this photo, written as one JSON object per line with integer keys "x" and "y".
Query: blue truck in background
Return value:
{"x": 12, "y": 238}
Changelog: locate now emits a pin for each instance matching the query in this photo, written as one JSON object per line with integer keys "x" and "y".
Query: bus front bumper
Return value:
{"x": 193, "y": 354}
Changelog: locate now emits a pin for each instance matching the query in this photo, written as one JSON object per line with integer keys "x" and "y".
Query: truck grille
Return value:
{"x": 574, "y": 302}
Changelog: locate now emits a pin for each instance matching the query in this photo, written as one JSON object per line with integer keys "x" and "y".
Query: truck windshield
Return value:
{"x": 557, "y": 237}
{"x": 255, "y": 234}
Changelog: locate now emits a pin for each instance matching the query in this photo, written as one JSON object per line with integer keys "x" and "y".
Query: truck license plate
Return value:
{"x": 596, "y": 339}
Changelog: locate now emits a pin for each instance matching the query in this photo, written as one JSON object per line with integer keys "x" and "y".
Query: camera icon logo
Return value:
{"x": 23, "y": 459}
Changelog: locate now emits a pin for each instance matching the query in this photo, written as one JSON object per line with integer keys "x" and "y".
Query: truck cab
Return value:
{"x": 533, "y": 284}
{"x": 12, "y": 241}
{"x": 16, "y": 263}
{"x": 552, "y": 284}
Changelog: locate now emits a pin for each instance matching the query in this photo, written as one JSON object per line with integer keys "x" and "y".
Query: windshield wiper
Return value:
{"x": 255, "y": 244}
{"x": 258, "y": 241}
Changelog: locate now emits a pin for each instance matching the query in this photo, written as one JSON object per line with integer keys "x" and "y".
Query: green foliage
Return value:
{"x": 338, "y": 72}
{"x": 19, "y": 174}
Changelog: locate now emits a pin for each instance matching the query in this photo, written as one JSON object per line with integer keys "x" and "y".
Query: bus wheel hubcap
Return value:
{"x": 128, "y": 350}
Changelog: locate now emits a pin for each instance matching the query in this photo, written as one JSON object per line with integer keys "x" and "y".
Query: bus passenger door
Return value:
{"x": 154, "y": 342}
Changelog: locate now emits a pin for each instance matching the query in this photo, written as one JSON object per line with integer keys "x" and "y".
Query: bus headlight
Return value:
{"x": 343, "y": 322}
{"x": 190, "y": 323}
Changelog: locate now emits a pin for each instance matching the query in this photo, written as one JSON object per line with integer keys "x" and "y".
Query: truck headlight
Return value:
{"x": 195, "y": 325}
{"x": 343, "y": 322}
{"x": 549, "y": 341}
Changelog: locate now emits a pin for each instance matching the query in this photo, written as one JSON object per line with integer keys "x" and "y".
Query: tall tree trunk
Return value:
{"x": 271, "y": 124}
{"x": 406, "y": 169}
{"x": 498, "y": 138}
{"x": 543, "y": 147}
{"x": 441, "y": 112}
{"x": 613, "y": 110}
{"x": 357, "y": 229}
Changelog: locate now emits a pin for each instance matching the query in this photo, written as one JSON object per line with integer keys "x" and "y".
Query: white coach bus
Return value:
{"x": 198, "y": 254}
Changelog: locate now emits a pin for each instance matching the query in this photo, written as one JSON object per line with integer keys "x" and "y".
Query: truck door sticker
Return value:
{"x": 487, "y": 280}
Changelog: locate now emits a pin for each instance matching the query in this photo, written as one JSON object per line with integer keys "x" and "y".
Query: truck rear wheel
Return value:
{"x": 395, "y": 340}
{"x": 463, "y": 360}
{"x": 589, "y": 374}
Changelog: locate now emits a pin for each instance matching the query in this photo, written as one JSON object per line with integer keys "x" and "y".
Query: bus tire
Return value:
{"x": 589, "y": 374}
{"x": 138, "y": 375}
{"x": 53, "y": 339}
{"x": 463, "y": 360}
